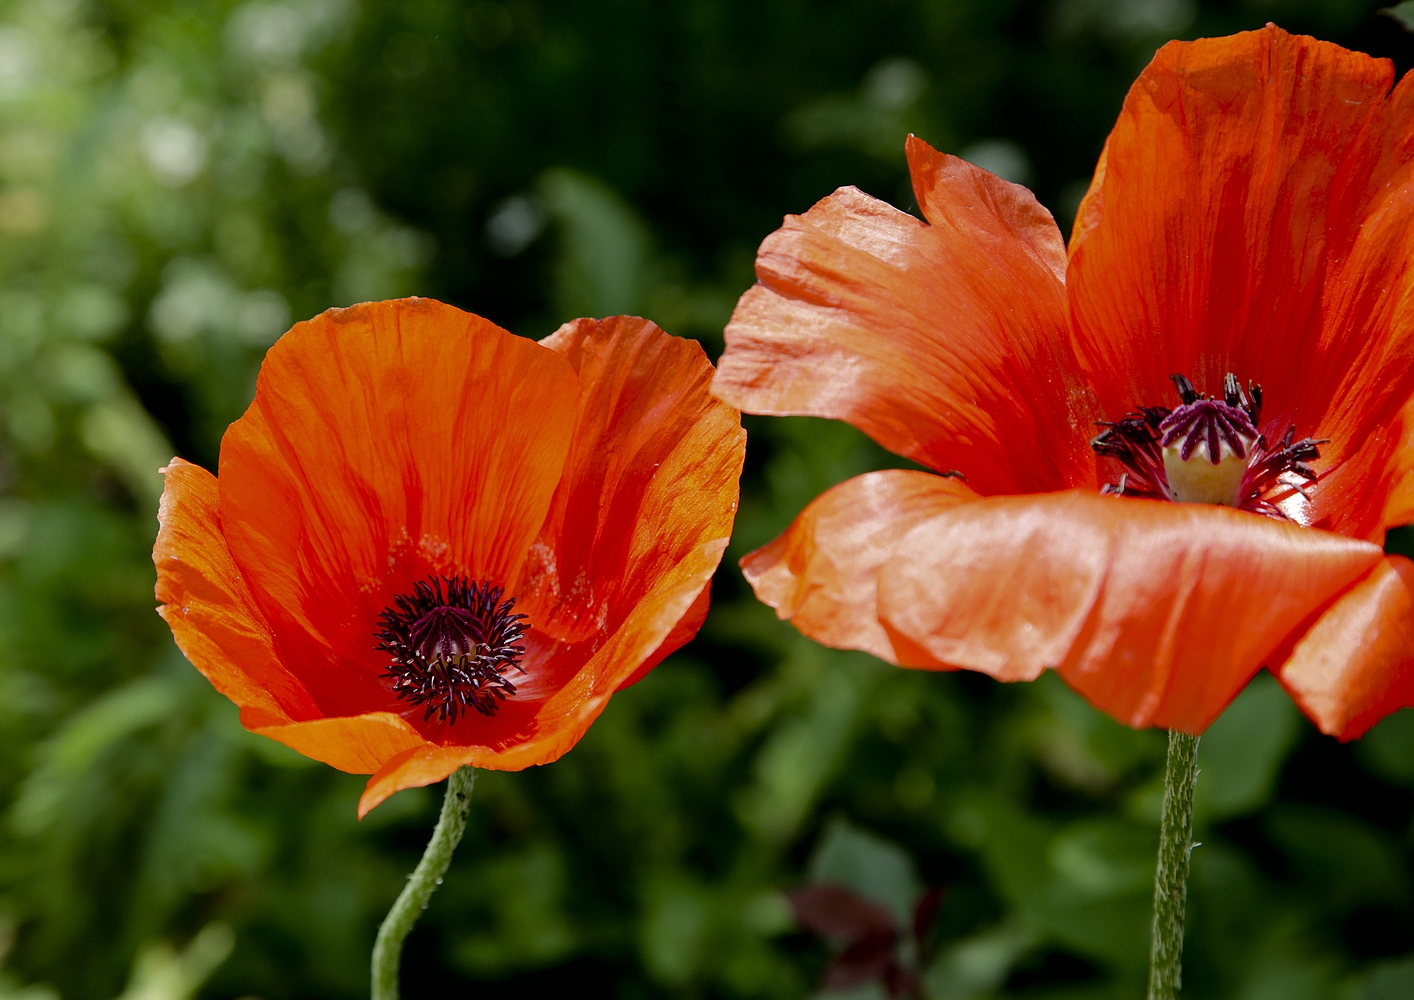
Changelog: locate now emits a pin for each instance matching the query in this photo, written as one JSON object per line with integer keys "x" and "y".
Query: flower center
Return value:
{"x": 451, "y": 643}
{"x": 1207, "y": 451}
{"x": 1205, "y": 447}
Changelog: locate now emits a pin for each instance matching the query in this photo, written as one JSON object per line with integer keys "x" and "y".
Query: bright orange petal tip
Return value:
{"x": 1355, "y": 665}
{"x": 1250, "y": 226}
{"x": 433, "y": 543}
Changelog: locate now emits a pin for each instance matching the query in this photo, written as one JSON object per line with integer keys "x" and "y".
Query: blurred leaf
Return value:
{"x": 870, "y": 866}
{"x": 1351, "y": 862}
{"x": 529, "y": 927}
{"x": 65, "y": 759}
{"x": 1240, "y": 756}
{"x": 120, "y": 432}
{"x": 804, "y": 751}
{"x": 163, "y": 973}
{"x": 1388, "y": 748}
{"x": 1403, "y": 13}
{"x": 1386, "y": 981}
{"x": 977, "y": 966}
{"x": 604, "y": 251}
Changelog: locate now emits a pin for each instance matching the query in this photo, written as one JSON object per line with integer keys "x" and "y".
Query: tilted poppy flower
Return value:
{"x": 1233, "y": 326}
{"x": 434, "y": 543}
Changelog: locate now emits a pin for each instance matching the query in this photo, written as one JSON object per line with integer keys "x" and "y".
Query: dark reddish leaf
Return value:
{"x": 901, "y": 982}
{"x": 837, "y": 913}
{"x": 865, "y": 960}
{"x": 925, "y": 913}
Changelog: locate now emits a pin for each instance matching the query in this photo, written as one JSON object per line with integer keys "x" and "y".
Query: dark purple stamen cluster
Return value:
{"x": 452, "y": 642}
{"x": 1137, "y": 442}
{"x": 1202, "y": 421}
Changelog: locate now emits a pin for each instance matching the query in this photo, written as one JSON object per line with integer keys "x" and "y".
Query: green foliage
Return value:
{"x": 181, "y": 179}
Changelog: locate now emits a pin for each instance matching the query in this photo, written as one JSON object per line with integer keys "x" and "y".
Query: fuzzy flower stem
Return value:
{"x": 388, "y": 948}
{"x": 1171, "y": 878}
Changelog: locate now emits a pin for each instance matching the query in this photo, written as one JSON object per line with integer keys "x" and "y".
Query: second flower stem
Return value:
{"x": 1171, "y": 878}
{"x": 422, "y": 883}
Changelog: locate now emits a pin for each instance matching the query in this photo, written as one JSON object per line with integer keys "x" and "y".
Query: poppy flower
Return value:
{"x": 433, "y": 543}
{"x": 1161, "y": 458}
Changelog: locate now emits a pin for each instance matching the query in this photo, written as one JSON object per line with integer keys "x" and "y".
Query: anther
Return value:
{"x": 1206, "y": 443}
{"x": 451, "y": 643}
{"x": 1207, "y": 451}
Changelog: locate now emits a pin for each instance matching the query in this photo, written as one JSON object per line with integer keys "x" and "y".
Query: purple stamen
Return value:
{"x": 451, "y": 647}
{"x": 1138, "y": 441}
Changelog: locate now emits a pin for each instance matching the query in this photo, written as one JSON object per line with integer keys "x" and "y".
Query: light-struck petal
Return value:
{"x": 387, "y": 442}
{"x": 1253, "y": 212}
{"x": 1399, "y": 508}
{"x": 359, "y": 744}
{"x": 1355, "y": 665}
{"x": 822, "y": 572}
{"x": 945, "y": 341}
{"x": 414, "y": 767}
{"x": 636, "y": 528}
{"x": 204, "y": 600}
{"x": 650, "y": 478}
{"x": 1156, "y": 612}
{"x": 683, "y": 633}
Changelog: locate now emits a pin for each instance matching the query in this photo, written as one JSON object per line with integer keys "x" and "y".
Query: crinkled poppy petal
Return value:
{"x": 822, "y": 573}
{"x": 1253, "y": 212}
{"x": 387, "y": 442}
{"x": 527, "y": 732}
{"x": 1359, "y": 495}
{"x": 1355, "y": 664}
{"x": 359, "y": 744}
{"x": 944, "y": 341}
{"x": 682, "y": 633}
{"x": 204, "y": 599}
{"x": 1399, "y": 509}
{"x": 415, "y": 767}
{"x": 1156, "y": 612}
{"x": 651, "y": 476}
{"x": 649, "y": 485}
{"x": 567, "y": 715}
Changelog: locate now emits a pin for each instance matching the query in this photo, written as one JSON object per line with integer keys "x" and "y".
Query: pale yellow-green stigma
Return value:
{"x": 1208, "y": 451}
{"x": 1206, "y": 446}
{"x": 1198, "y": 479}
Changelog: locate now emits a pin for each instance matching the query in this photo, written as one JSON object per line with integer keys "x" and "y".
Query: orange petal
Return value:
{"x": 944, "y": 341}
{"x": 204, "y": 599}
{"x": 360, "y": 744}
{"x": 413, "y": 768}
{"x": 514, "y": 738}
{"x": 387, "y": 442}
{"x": 566, "y": 716}
{"x": 637, "y": 527}
{"x": 682, "y": 633}
{"x": 1355, "y": 665}
{"x": 650, "y": 478}
{"x": 1156, "y": 612}
{"x": 1399, "y": 509}
{"x": 1253, "y": 212}
{"x": 822, "y": 573}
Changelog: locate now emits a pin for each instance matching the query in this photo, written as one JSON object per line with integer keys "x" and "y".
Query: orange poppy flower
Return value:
{"x": 1250, "y": 226}
{"x": 434, "y": 543}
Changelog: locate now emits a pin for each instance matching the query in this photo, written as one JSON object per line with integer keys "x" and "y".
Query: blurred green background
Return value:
{"x": 181, "y": 180}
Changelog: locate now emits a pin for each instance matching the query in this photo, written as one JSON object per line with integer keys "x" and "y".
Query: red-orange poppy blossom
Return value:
{"x": 1232, "y": 325}
{"x": 433, "y": 543}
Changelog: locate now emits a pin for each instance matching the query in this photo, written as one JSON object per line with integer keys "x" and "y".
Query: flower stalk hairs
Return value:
{"x": 1164, "y": 457}
{"x": 434, "y": 546}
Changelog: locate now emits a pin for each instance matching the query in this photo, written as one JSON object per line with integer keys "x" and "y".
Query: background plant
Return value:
{"x": 180, "y": 180}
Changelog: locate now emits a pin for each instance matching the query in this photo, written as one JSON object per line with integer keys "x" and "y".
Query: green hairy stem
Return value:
{"x": 1171, "y": 878}
{"x": 422, "y": 883}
